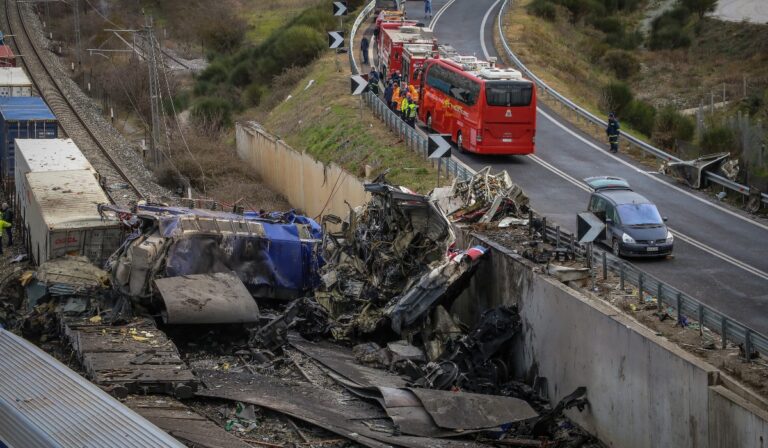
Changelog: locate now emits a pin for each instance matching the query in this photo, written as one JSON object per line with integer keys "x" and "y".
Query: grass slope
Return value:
{"x": 324, "y": 119}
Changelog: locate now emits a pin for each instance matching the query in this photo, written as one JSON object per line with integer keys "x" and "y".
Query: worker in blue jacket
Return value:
{"x": 613, "y": 132}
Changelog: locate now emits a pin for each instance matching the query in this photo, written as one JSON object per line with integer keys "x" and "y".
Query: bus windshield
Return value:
{"x": 508, "y": 93}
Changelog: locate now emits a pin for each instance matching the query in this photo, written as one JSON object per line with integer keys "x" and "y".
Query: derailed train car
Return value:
{"x": 276, "y": 256}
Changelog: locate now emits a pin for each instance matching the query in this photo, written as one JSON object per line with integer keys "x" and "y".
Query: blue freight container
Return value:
{"x": 23, "y": 117}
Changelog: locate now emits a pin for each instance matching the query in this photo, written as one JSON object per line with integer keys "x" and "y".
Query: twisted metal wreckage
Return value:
{"x": 385, "y": 279}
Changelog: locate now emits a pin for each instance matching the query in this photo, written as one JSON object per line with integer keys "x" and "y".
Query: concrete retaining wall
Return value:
{"x": 307, "y": 184}
{"x": 643, "y": 390}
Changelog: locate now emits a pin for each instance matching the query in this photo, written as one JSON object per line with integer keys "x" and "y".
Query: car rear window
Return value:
{"x": 509, "y": 94}
{"x": 635, "y": 214}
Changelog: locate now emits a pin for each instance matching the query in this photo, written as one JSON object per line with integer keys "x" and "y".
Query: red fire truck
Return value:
{"x": 485, "y": 109}
{"x": 413, "y": 59}
{"x": 392, "y": 41}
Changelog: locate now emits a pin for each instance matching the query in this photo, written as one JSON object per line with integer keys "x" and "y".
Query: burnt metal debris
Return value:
{"x": 345, "y": 326}
{"x": 692, "y": 171}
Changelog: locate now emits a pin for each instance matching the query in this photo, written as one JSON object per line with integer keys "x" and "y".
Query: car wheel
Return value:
{"x": 460, "y": 142}
{"x": 616, "y": 248}
{"x": 429, "y": 122}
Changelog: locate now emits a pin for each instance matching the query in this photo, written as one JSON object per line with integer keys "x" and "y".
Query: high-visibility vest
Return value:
{"x": 396, "y": 96}
{"x": 412, "y": 110}
{"x": 404, "y": 105}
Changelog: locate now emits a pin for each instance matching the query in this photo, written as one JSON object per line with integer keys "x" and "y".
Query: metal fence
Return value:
{"x": 545, "y": 89}
{"x": 413, "y": 138}
{"x": 685, "y": 308}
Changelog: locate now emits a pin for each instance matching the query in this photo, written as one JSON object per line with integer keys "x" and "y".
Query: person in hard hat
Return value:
{"x": 411, "y": 113}
{"x": 6, "y": 225}
{"x": 394, "y": 103}
{"x": 414, "y": 93}
{"x": 613, "y": 132}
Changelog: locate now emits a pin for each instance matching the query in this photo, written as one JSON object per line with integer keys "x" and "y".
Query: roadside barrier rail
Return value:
{"x": 588, "y": 116}
{"x": 685, "y": 308}
{"x": 682, "y": 306}
{"x": 414, "y": 139}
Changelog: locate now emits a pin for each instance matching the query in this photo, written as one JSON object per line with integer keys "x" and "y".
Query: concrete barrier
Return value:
{"x": 643, "y": 390}
{"x": 315, "y": 188}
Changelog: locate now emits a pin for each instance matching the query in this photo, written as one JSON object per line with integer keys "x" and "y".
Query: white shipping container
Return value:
{"x": 41, "y": 154}
{"x": 62, "y": 217}
{"x": 14, "y": 82}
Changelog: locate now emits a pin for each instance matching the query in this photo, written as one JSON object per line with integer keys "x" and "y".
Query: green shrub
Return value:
{"x": 718, "y": 139}
{"x": 216, "y": 72}
{"x": 641, "y": 116}
{"x": 240, "y": 75}
{"x": 202, "y": 88}
{"x": 672, "y": 126}
{"x": 625, "y": 41}
{"x": 700, "y": 7}
{"x": 608, "y": 25}
{"x": 212, "y": 113}
{"x": 616, "y": 97}
{"x": 253, "y": 94}
{"x": 623, "y": 63}
{"x": 544, "y": 9}
{"x": 298, "y": 45}
{"x": 596, "y": 51}
{"x": 668, "y": 31}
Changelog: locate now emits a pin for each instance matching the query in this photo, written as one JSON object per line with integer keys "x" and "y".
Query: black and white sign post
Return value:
{"x": 358, "y": 84}
{"x": 336, "y": 41}
{"x": 438, "y": 147}
{"x": 340, "y": 10}
{"x": 589, "y": 228}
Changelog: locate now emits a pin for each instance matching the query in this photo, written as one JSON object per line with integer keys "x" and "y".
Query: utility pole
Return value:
{"x": 154, "y": 93}
{"x": 78, "y": 45}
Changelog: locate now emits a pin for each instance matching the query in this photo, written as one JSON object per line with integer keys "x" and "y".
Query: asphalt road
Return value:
{"x": 720, "y": 253}
{"x": 755, "y": 11}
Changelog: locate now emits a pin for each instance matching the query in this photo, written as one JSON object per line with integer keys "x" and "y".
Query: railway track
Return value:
{"x": 118, "y": 186}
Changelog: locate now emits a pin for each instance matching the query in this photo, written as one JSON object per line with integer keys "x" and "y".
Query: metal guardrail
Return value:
{"x": 358, "y": 21}
{"x": 683, "y": 305}
{"x": 686, "y": 308}
{"x": 658, "y": 153}
{"x": 413, "y": 139}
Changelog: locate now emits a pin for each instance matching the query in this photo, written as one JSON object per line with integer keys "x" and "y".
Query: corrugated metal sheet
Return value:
{"x": 14, "y": 76}
{"x": 14, "y": 108}
{"x": 67, "y": 198}
{"x": 45, "y": 404}
{"x": 49, "y": 154}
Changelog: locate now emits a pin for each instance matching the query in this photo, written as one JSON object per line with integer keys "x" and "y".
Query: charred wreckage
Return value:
{"x": 365, "y": 299}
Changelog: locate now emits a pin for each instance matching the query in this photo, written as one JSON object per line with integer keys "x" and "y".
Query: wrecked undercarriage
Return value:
{"x": 347, "y": 328}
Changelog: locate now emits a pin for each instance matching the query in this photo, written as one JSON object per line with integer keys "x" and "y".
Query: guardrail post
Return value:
{"x": 659, "y": 293}
{"x": 640, "y": 287}
{"x": 748, "y": 345}
{"x": 701, "y": 320}
{"x": 605, "y": 266}
{"x": 680, "y": 308}
{"x": 621, "y": 276}
{"x": 723, "y": 330}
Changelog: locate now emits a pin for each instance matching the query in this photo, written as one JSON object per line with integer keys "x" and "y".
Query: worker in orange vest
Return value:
{"x": 395, "y": 104}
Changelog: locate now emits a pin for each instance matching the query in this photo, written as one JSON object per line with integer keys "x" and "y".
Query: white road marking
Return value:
{"x": 436, "y": 17}
{"x": 727, "y": 258}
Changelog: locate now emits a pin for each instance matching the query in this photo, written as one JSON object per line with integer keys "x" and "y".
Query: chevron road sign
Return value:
{"x": 438, "y": 146}
{"x": 339, "y": 8}
{"x": 590, "y": 227}
{"x": 335, "y": 39}
{"x": 358, "y": 85}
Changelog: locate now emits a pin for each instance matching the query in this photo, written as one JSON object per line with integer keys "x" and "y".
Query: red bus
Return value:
{"x": 485, "y": 110}
{"x": 392, "y": 41}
